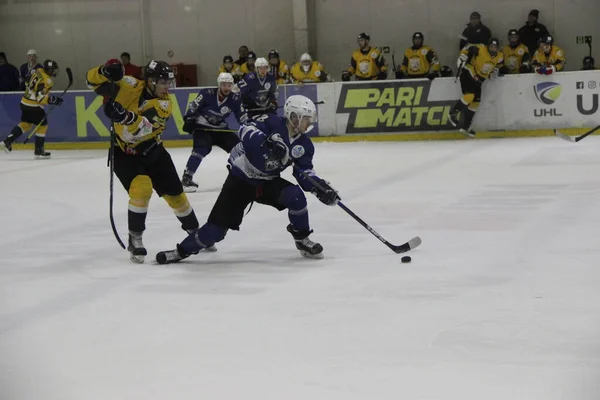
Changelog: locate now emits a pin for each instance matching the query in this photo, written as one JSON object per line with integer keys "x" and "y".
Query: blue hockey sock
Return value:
{"x": 295, "y": 201}
{"x": 204, "y": 237}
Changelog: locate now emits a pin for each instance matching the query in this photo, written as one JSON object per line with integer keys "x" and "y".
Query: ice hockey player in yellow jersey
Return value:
{"x": 476, "y": 63}
{"x": 517, "y": 59}
{"x": 367, "y": 63}
{"x": 308, "y": 71}
{"x": 36, "y": 96}
{"x": 139, "y": 111}
{"x": 420, "y": 61}
{"x": 278, "y": 67}
{"x": 230, "y": 67}
{"x": 248, "y": 66}
{"x": 548, "y": 58}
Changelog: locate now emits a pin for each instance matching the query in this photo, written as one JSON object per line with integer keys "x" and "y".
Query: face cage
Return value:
{"x": 162, "y": 83}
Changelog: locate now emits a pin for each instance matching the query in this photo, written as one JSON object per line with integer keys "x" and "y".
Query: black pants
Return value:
{"x": 236, "y": 194}
{"x": 207, "y": 139}
{"x": 157, "y": 164}
{"x": 469, "y": 85}
{"x": 33, "y": 115}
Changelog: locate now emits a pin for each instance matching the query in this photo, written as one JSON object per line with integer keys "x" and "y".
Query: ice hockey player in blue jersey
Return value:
{"x": 269, "y": 144}
{"x": 205, "y": 116}
{"x": 259, "y": 90}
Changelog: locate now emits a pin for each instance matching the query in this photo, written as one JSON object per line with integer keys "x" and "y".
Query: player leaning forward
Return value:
{"x": 476, "y": 62}
{"x": 268, "y": 146}
{"x": 36, "y": 96}
{"x": 140, "y": 110}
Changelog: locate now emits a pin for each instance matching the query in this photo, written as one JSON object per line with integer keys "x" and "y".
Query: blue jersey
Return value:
{"x": 250, "y": 159}
{"x": 210, "y": 112}
{"x": 257, "y": 92}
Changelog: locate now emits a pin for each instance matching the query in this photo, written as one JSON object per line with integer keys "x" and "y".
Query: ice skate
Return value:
{"x": 40, "y": 153}
{"x": 467, "y": 132}
{"x": 307, "y": 247}
{"x": 136, "y": 248}
{"x": 189, "y": 186}
{"x": 171, "y": 256}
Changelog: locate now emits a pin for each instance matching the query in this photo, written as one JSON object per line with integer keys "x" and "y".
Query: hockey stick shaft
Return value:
{"x": 70, "y": 76}
{"x": 578, "y": 138}
{"x": 111, "y": 164}
{"x": 396, "y": 249}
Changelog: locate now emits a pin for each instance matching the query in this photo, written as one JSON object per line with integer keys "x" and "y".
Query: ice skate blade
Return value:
{"x": 468, "y": 134}
{"x": 139, "y": 259}
{"x": 190, "y": 189}
{"x": 210, "y": 249}
{"x": 41, "y": 157}
{"x": 4, "y": 148}
{"x": 306, "y": 254}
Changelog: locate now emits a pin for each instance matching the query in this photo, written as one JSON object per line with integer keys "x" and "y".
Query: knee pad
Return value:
{"x": 180, "y": 204}
{"x": 140, "y": 191}
{"x": 209, "y": 234}
{"x": 41, "y": 131}
{"x": 474, "y": 106}
{"x": 25, "y": 126}
{"x": 468, "y": 98}
{"x": 293, "y": 198}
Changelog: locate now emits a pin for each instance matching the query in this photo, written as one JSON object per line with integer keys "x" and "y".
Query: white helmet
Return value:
{"x": 301, "y": 106}
{"x": 261, "y": 62}
{"x": 305, "y": 57}
{"x": 224, "y": 77}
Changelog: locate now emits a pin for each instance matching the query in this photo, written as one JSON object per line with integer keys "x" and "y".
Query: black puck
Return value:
{"x": 406, "y": 259}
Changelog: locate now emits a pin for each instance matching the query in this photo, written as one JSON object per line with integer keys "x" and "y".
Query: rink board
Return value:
{"x": 512, "y": 106}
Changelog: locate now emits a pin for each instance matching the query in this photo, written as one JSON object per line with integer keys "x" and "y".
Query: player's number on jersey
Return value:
{"x": 260, "y": 118}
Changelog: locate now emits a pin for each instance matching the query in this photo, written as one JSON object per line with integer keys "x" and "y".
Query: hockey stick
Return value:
{"x": 575, "y": 139}
{"x": 399, "y": 249}
{"x": 70, "y": 76}
{"x": 111, "y": 165}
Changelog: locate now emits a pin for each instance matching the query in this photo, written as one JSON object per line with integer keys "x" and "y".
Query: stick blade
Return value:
{"x": 564, "y": 137}
{"x": 408, "y": 246}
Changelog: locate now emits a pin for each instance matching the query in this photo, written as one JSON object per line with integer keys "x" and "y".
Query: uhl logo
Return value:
{"x": 547, "y": 93}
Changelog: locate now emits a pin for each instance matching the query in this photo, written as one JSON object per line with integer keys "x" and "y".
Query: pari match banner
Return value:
{"x": 81, "y": 117}
{"x": 393, "y": 107}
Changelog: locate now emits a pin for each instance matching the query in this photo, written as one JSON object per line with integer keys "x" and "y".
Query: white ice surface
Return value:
{"x": 501, "y": 301}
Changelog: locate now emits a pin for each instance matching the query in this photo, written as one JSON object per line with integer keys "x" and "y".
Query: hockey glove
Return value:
{"x": 432, "y": 76}
{"x": 276, "y": 148}
{"x": 382, "y": 76}
{"x": 55, "y": 100}
{"x": 541, "y": 70}
{"x": 188, "y": 125}
{"x": 272, "y": 106}
{"x": 113, "y": 70}
{"x": 120, "y": 115}
{"x": 325, "y": 193}
{"x": 473, "y": 52}
{"x": 346, "y": 76}
{"x": 524, "y": 69}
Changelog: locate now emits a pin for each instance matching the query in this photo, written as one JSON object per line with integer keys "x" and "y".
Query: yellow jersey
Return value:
{"x": 515, "y": 57}
{"x": 556, "y": 57}
{"x": 37, "y": 89}
{"x": 281, "y": 72}
{"x": 418, "y": 63}
{"x": 235, "y": 71}
{"x": 367, "y": 64}
{"x": 245, "y": 70}
{"x": 483, "y": 64}
{"x": 316, "y": 73}
{"x": 151, "y": 113}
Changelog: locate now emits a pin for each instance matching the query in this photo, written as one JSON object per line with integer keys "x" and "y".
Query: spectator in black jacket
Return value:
{"x": 532, "y": 31}
{"x": 475, "y": 32}
{"x": 9, "y": 75}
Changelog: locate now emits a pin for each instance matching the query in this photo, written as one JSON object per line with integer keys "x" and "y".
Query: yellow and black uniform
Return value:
{"x": 281, "y": 72}
{"x": 140, "y": 160}
{"x": 553, "y": 61}
{"x": 517, "y": 59}
{"x": 230, "y": 67}
{"x": 36, "y": 96}
{"x": 315, "y": 74}
{"x": 367, "y": 64}
{"x": 419, "y": 62}
{"x": 478, "y": 64}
